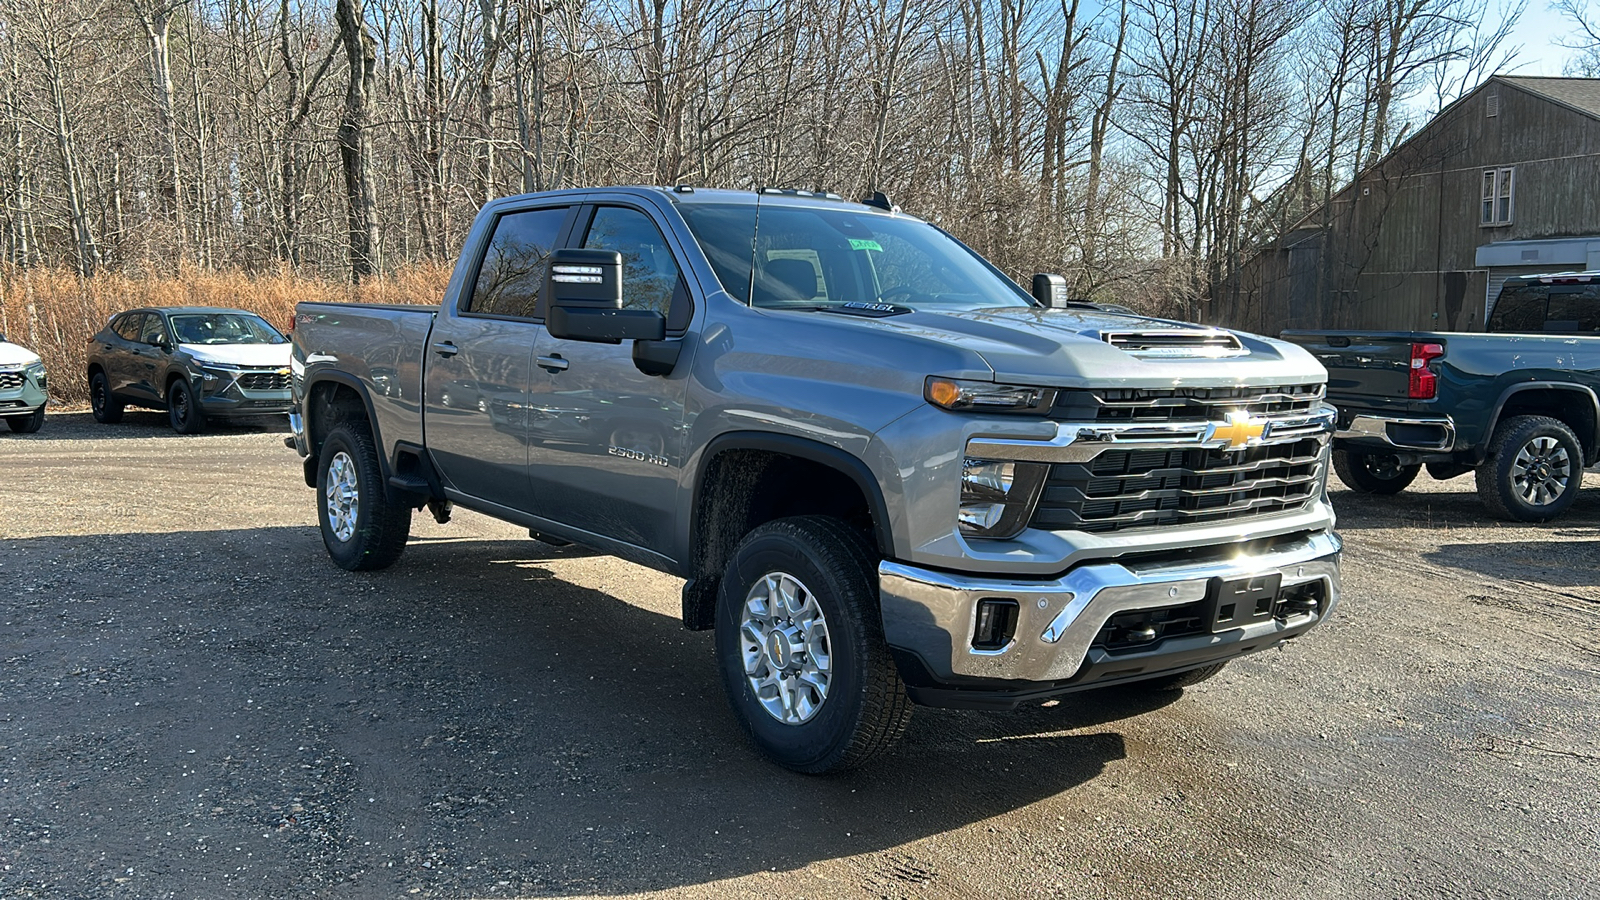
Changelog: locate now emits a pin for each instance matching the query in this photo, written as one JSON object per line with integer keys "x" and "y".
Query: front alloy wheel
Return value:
{"x": 787, "y": 659}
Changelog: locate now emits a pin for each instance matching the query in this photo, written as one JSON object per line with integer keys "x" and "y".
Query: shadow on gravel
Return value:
{"x": 229, "y": 706}
{"x": 1438, "y": 509}
{"x": 139, "y": 423}
{"x": 1557, "y": 563}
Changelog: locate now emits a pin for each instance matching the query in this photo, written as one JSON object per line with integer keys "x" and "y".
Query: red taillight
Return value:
{"x": 1424, "y": 384}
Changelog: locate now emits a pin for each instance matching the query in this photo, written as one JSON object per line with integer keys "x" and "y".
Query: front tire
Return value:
{"x": 1373, "y": 473}
{"x": 800, "y": 646}
{"x": 107, "y": 408}
{"x": 1534, "y": 469}
{"x": 361, "y": 527}
{"x": 27, "y": 424}
{"x": 183, "y": 409}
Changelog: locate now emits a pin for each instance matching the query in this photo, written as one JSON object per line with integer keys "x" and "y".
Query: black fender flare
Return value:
{"x": 345, "y": 379}
{"x": 1591, "y": 441}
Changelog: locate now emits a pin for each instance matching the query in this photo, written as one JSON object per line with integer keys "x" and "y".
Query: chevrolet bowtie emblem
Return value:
{"x": 1239, "y": 430}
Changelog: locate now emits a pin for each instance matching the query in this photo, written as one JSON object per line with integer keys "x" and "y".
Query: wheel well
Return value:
{"x": 95, "y": 367}
{"x": 330, "y": 403}
{"x": 744, "y": 489}
{"x": 1575, "y": 408}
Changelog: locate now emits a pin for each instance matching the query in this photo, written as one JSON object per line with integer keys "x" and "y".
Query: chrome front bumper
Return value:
{"x": 933, "y": 614}
{"x": 1435, "y": 435}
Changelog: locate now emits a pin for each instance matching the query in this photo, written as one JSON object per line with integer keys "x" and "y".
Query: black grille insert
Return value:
{"x": 1184, "y": 404}
{"x": 1122, "y": 489}
{"x": 10, "y": 381}
{"x": 264, "y": 381}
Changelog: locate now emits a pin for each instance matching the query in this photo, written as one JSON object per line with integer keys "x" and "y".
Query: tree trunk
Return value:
{"x": 355, "y": 144}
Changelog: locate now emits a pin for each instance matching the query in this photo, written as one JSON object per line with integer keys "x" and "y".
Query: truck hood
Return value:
{"x": 12, "y": 355}
{"x": 240, "y": 354}
{"x": 1070, "y": 348}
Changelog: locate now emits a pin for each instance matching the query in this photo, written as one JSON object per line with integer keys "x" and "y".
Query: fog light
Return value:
{"x": 996, "y": 625}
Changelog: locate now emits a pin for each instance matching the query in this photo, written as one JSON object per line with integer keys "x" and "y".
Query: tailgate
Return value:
{"x": 1375, "y": 365}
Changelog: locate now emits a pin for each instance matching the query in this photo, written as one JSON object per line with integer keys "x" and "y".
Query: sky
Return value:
{"x": 1536, "y": 32}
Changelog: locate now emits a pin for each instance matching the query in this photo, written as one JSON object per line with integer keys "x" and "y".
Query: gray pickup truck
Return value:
{"x": 887, "y": 474}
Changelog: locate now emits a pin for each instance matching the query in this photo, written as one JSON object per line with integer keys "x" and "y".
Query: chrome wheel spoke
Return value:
{"x": 343, "y": 493}
{"x": 783, "y": 639}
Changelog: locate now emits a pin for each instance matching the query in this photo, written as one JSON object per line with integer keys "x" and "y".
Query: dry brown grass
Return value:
{"x": 53, "y": 312}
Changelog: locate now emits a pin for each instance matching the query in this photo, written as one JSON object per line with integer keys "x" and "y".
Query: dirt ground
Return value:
{"x": 195, "y": 703}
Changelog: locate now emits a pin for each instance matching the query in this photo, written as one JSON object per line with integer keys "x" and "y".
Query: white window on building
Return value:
{"x": 1496, "y": 205}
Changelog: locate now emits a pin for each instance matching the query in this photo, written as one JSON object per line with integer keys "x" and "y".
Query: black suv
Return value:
{"x": 195, "y": 362}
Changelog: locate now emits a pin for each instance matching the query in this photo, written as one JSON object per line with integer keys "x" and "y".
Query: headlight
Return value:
{"x": 998, "y": 496}
{"x": 984, "y": 396}
{"x": 36, "y": 372}
{"x": 213, "y": 377}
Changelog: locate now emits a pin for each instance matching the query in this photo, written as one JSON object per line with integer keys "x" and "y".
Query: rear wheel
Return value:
{"x": 361, "y": 527}
{"x": 107, "y": 408}
{"x": 1534, "y": 469}
{"x": 1373, "y": 473}
{"x": 800, "y": 646}
{"x": 183, "y": 410}
{"x": 27, "y": 424}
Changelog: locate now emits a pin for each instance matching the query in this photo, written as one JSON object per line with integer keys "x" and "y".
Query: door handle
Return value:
{"x": 445, "y": 348}
{"x": 553, "y": 363}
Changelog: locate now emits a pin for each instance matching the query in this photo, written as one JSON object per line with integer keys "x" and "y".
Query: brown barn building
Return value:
{"x": 1503, "y": 182}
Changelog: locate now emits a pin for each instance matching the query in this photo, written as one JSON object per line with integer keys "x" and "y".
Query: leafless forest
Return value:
{"x": 1139, "y": 146}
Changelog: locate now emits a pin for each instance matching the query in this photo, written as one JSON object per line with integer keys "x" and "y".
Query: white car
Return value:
{"x": 22, "y": 387}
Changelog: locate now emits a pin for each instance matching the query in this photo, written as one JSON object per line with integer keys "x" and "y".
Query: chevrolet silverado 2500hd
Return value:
{"x": 886, "y": 472}
{"x": 1517, "y": 407}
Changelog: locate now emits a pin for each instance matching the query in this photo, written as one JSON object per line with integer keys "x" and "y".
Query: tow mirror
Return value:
{"x": 584, "y": 288}
{"x": 1050, "y": 290}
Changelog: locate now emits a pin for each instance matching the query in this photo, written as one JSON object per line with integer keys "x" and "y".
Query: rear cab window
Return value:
{"x": 511, "y": 274}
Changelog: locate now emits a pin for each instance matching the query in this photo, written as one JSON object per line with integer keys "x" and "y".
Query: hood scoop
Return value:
{"x": 1176, "y": 343}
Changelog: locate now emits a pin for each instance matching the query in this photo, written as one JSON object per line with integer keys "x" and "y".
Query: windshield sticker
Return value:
{"x": 860, "y": 244}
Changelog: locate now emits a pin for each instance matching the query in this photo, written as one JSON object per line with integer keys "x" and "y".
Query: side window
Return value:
{"x": 128, "y": 326}
{"x": 650, "y": 278}
{"x": 1520, "y": 310}
{"x": 513, "y": 267}
{"x": 154, "y": 330}
{"x": 1574, "y": 309}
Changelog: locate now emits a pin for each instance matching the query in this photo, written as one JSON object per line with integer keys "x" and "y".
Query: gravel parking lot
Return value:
{"x": 195, "y": 703}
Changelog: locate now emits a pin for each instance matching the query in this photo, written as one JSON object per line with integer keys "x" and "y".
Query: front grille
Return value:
{"x": 1184, "y": 404}
{"x": 264, "y": 381}
{"x": 10, "y": 381}
{"x": 1121, "y": 489}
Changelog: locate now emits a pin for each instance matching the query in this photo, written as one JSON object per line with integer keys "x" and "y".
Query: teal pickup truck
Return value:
{"x": 1517, "y": 405}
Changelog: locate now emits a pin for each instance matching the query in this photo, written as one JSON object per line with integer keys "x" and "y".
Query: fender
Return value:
{"x": 801, "y": 448}
{"x": 1591, "y": 441}
{"x": 315, "y": 428}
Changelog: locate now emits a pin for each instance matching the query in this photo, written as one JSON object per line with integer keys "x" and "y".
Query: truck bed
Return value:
{"x": 380, "y": 344}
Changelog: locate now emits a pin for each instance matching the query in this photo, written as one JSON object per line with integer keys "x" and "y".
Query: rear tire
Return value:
{"x": 27, "y": 424}
{"x": 1373, "y": 473}
{"x": 361, "y": 527}
{"x": 183, "y": 410}
{"x": 800, "y": 646}
{"x": 1534, "y": 469}
{"x": 107, "y": 408}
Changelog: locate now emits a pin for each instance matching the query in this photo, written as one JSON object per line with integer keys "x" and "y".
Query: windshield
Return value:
{"x": 224, "y": 328}
{"x": 814, "y": 258}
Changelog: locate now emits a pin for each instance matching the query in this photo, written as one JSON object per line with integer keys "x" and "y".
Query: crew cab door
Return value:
{"x": 606, "y": 440}
{"x": 480, "y": 355}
